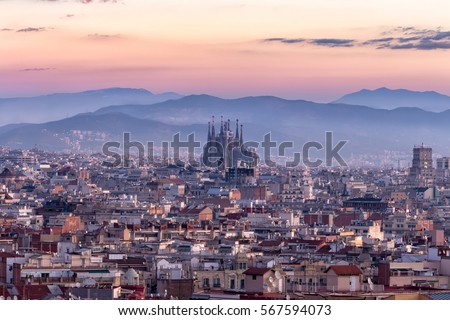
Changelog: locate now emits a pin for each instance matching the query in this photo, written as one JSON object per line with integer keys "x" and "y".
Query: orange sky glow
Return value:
{"x": 315, "y": 50}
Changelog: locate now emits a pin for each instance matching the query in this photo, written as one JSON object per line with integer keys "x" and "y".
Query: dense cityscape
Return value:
{"x": 72, "y": 228}
{"x": 180, "y": 158}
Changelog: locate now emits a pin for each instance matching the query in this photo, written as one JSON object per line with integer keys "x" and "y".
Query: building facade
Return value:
{"x": 422, "y": 172}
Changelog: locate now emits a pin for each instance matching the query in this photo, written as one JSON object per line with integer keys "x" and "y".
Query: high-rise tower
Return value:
{"x": 422, "y": 172}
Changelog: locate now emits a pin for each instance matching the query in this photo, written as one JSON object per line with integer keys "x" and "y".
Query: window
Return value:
{"x": 254, "y": 277}
{"x": 216, "y": 282}
{"x": 205, "y": 282}
{"x": 232, "y": 283}
{"x": 242, "y": 286}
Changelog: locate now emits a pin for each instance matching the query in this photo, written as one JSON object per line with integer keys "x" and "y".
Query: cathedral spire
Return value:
{"x": 241, "y": 136}
{"x": 209, "y": 131}
{"x": 213, "y": 130}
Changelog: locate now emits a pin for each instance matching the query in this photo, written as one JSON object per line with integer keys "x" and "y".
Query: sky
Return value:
{"x": 316, "y": 50}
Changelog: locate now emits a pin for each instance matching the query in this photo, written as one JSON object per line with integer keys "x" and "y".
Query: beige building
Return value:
{"x": 417, "y": 274}
{"x": 344, "y": 278}
{"x": 235, "y": 278}
{"x": 263, "y": 280}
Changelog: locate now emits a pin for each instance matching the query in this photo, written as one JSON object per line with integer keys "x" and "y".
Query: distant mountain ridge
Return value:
{"x": 384, "y": 98}
{"x": 93, "y": 130}
{"x": 369, "y": 130}
{"x": 61, "y": 105}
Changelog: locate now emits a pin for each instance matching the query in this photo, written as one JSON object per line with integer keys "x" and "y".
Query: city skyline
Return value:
{"x": 232, "y": 150}
{"x": 293, "y": 49}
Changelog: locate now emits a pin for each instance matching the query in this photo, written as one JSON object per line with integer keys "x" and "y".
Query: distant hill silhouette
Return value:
{"x": 61, "y": 105}
{"x": 369, "y": 130}
{"x": 385, "y": 98}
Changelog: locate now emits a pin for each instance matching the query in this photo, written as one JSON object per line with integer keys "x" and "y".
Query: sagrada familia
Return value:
{"x": 234, "y": 154}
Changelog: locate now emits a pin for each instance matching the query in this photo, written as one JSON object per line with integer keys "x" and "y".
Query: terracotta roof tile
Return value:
{"x": 256, "y": 271}
{"x": 350, "y": 270}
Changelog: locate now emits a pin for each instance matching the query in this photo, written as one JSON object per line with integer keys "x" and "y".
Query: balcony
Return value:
{"x": 49, "y": 280}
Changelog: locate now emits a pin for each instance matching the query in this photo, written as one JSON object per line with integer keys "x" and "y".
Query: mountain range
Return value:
{"x": 385, "y": 98}
{"x": 369, "y": 130}
{"x": 62, "y": 105}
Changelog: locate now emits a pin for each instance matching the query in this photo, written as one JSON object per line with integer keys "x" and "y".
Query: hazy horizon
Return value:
{"x": 231, "y": 97}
